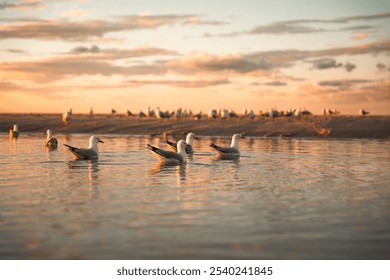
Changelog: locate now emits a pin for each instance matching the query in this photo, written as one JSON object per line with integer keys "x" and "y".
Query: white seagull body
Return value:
{"x": 92, "y": 152}
{"x": 233, "y": 150}
{"x": 169, "y": 156}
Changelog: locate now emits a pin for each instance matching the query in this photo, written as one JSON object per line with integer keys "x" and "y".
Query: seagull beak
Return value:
{"x": 243, "y": 137}
{"x": 100, "y": 141}
{"x": 196, "y": 137}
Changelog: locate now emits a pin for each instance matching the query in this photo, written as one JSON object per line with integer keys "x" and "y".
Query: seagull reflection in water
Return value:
{"x": 93, "y": 174}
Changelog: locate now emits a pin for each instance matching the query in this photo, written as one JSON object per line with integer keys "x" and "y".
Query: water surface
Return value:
{"x": 282, "y": 199}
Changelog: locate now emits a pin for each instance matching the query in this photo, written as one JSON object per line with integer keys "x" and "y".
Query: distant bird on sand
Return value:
{"x": 50, "y": 141}
{"x": 128, "y": 113}
{"x": 212, "y": 114}
{"x": 92, "y": 152}
{"x": 160, "y": 115}
{"x": 169, "y": 156}
{"x": 189, "y": 143}
{"x": 362, "y": 112}
{"x": 113, "y": 111}
{"x": 198, "y": 116}
{"x": 14, "y": 132}
{"x": 233, "y": 150}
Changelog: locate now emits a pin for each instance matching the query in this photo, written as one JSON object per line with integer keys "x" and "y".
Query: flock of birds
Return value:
{"x": 179, "y": 150}
{"x": 214, "y": 114}
{"x": 177, "y": 153}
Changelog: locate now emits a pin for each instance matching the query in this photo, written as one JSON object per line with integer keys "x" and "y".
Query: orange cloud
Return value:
{"x": 360, "y": 36}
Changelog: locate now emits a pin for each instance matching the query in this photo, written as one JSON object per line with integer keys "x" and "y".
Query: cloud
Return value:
{"x": 360, "y": 36}
{"x": 367, "y": 17}
{"x": 50, "y": 92}
{"x": 382, "y": 67}
{"x": 195, "y": 20}
{"x": 57, "y": 68}
{"x": 14, "y": 51}
{"x": 325, "y": 63}
{"x": 276, "y": 84}
{"x": 21, "y": 5}
{"x": 93, "y": 60}
{"x": 343, "y": 84}
{"x": 282, "y": 28}
{"x": 286, "y": 58}
{"x": 63, "y": 29}
{"x": 349, "y": 66}
{"x": 178, "y": 83}
{"x": 82, "y": 49}
{"x": 343, "y": 93}
{"x": 206, "y": 62}
{"x": 112, "y": 54}
{"x": 300, "y": 26}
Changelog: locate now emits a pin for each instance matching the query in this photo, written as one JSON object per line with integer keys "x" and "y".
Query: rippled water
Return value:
{"x": 283, "y": 199}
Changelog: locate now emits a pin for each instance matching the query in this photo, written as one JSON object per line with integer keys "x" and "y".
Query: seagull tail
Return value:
{"x": 70, "y": 147}
{"x": 150, "y": 147}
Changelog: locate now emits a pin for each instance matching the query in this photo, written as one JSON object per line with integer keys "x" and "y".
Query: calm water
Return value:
{"x": 283, "y": 199}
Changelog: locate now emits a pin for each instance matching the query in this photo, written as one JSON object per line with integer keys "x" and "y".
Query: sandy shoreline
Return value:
{"x": 312, "y": 126}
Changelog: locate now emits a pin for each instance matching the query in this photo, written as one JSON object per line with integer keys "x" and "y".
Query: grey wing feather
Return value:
{"x": 85, "y": 153}
{"x": 165, "y": 154}
{"x": 82, "y": 153}
{"x": 189, "y": 149}
{"x": 224, "y": 150}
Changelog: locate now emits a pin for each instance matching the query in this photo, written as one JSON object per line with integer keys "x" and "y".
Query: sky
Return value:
{"x": 199, "y": 55}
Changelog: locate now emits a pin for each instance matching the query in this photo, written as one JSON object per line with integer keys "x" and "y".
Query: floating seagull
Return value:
{"x": 233, "y": 150}
{"x": 189, "y": 143}
{"x": 169, "y": 156}
{"x": 14, "y": 132}
{"x": 92, "y": 152}
{"x": 50, "y": 141}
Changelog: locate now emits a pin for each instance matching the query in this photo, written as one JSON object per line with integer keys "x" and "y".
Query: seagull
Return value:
{"x": 14, "y": 132}
{"x": 189, "y": 143}
{"x": 66, "y": 116}
{"x": 198, "y": 116}
{"x": 233, "y": 150}
{"x": 92, "y": 152}
{"x": 362, "y": 112}
{"x": 128, "y": 113}
{"x": 160, "y": 115}
{"x": 169, "y": 156}
{"x": 50, "y": 141}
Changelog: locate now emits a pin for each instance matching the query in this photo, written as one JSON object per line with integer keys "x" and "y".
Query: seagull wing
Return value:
{"x": 81, "y": 153}
{"x": 225, "y": 151}
{"x": 166, "y": 156}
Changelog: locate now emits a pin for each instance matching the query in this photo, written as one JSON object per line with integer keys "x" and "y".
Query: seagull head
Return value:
{"x": 94, "y": 140}
{"x": 238, "y": 136}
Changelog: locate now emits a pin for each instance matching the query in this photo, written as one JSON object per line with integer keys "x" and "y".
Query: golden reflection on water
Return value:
{"x": 281, "y": 193}
{"x": 92, "y": 166}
